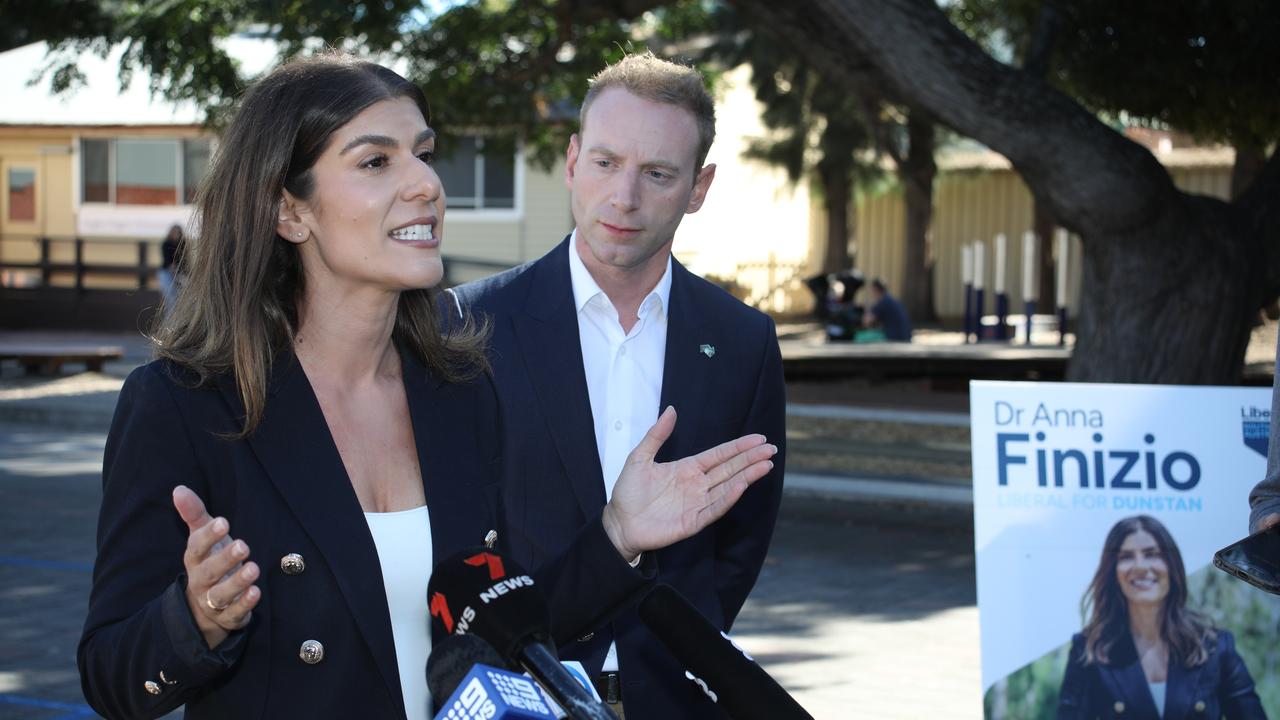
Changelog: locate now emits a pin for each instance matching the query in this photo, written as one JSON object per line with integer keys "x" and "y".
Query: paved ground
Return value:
{"x": 50, "y": 485}
{"x": 864, "y": 608}
{"x": 855, "y": 615}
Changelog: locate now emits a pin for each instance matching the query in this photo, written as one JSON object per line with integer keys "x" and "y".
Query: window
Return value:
{"x": 474, "y": 178}
{"x": 146, "y": 172}
{"x": 142, "y": 171}
{"x": 22, "y": 195}
{"x": 195, "y": 163}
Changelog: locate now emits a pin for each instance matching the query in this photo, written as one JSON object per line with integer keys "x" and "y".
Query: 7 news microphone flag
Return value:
{"x": 480, "y": 592}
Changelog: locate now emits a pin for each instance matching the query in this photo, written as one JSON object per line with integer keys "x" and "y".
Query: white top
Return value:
{"x": 1157, "y": 694}
{"x": 403, "y": 540}
{"x": 624, "y": 370}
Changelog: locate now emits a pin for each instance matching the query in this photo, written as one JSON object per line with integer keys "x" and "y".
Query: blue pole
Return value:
{"x": 1002, "y": 316}
{"x": 979, "y": 305}
{"x": 1029, "y": 307}
{"x": 968, "y": 311}
{"x": 1062, "y": 325}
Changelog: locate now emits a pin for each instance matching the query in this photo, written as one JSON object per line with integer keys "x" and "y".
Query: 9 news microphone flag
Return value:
{"x": 478, "y": 591}
{"x": 489, "y": 693}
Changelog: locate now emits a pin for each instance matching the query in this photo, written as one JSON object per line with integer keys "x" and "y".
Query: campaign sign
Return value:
{"x": 1096, "y": 506}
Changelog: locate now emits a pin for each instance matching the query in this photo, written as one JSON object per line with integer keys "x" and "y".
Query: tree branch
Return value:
{"x": 826, "y": 48}
{"x": 1259, "y": 207}
{"x": 1091, "y": 177}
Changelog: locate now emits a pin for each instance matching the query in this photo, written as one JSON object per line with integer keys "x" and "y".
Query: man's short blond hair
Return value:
{"x": 648, "y": 76}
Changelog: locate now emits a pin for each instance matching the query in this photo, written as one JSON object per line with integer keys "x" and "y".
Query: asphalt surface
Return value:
{"x": 858, "y": 611}
{"x": 865, "y": 606}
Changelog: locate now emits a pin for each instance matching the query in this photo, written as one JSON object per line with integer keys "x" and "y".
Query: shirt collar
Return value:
{"x": 585, "y": 287}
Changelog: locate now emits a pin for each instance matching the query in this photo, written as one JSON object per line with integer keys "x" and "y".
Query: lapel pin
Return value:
{"x": 708, "y": 350}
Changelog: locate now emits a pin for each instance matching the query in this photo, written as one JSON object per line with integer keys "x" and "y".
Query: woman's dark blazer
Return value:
{"x": 285, "y": 490}
{"x": 1218, "y": 688}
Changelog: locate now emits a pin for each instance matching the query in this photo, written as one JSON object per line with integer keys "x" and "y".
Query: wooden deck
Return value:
{"x": 810, "y": 359}
{"x": 40, "y": 359}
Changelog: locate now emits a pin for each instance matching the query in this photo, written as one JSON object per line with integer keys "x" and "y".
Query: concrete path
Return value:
{"x": 858, "y": 612}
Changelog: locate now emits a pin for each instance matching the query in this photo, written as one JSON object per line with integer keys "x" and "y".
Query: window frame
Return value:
{"x": 488, "y": 214}
{"x": 179, "y": 187}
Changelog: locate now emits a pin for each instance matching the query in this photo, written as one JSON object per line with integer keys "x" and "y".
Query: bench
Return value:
{"x": 48, "y": 359}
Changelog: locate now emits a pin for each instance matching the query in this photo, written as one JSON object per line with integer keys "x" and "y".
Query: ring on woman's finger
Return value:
{"x": 216, "y": 608}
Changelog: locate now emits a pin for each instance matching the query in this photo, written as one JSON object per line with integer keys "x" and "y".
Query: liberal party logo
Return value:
{"x": 1256, "y": 425}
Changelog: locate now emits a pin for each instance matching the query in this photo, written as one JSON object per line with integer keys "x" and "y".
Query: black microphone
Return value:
{"x": 451, "y": 660}
{"x": 479, "y": 592}
{"x": 726, "y": 673}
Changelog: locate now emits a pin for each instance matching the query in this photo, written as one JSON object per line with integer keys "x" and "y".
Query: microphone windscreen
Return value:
{"x": 488, "y": 693}
{"x": 726, "y": 673}
{"x": 478, "y": 591}
{"x": 452, "y": 659}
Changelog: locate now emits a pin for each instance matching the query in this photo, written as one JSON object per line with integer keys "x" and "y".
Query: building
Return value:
{"x": 978, "y": 194}
{"x": 95, "y": 178}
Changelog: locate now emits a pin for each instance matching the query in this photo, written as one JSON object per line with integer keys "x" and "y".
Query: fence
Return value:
{"x": 136, "y": 261}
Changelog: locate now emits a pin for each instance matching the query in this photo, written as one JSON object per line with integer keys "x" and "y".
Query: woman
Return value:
{"x": 276, "y": 485}
{"x": 170, "y": 263}
{"x": 1143, "y": 653}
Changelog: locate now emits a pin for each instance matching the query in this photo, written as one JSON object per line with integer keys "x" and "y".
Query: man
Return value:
{"x": 593, "y": 340}
{"x": 1265, "y": 498}
{"x": 888, "y": 313}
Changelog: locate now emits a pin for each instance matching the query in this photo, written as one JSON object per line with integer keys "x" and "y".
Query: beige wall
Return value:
{"x": 974, "y": 205}
{"x": 526, "y": 233}
{"x": 755, "y": 226}
{"x": 53, "y": 152}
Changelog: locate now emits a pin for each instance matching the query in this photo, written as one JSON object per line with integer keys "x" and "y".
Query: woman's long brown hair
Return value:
{"x": 238, "y": 311}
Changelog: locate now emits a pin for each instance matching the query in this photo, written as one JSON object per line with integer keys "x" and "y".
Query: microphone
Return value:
{"x": 479, "y": 592}
{"x": 451, "y": 660}
{"x": 489, "y": 693}
{"x": 726, "y": 673}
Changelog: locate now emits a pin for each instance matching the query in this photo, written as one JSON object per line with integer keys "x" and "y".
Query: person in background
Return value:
{"x": 1143, "y": 653}
{"x": 594, "y": 339}
{"x": 167, "y": 274}
{"x": 277, "y": 484}
{"x": 1265, "y": 498}
{"x": 887, "y": 313}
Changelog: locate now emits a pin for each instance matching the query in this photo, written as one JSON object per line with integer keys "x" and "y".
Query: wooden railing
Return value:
{"x": 142, "y": 270}
{"x": 47, "y": 267}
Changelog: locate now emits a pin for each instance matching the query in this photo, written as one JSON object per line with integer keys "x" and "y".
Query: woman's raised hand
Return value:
{"x": 220, "y": 589}
{"x": 656, "y": 504}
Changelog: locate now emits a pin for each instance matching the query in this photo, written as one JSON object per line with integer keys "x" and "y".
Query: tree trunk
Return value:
{"x": 836, "y": 193}
{"x": 1171, "y": 302}
{"x": 917, "y": 173}
{"x": 1044, "y": 227}
{"x": 1171, "y": 280}
{"x": 1249, "y": 162}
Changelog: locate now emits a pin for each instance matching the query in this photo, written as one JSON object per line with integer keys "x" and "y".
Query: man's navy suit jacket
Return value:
{"x": 722, "y": 372}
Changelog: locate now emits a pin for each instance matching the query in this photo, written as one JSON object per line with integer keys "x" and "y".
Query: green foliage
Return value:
{"x": 1251, "y": 615}
{"x": 514, "y": 70}
{"x": 517, "y": 72}
{"x": 1029, "y": 693}
{"x": 520, "y": 70}
{"x": 29, "y": 21}
{"x": 178, "y": 44}
{"x": 1206, "y": 67}
{"x": 812, "y": 129}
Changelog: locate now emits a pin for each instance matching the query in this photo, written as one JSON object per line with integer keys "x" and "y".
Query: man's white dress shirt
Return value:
{"x": 624, "y": 370}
